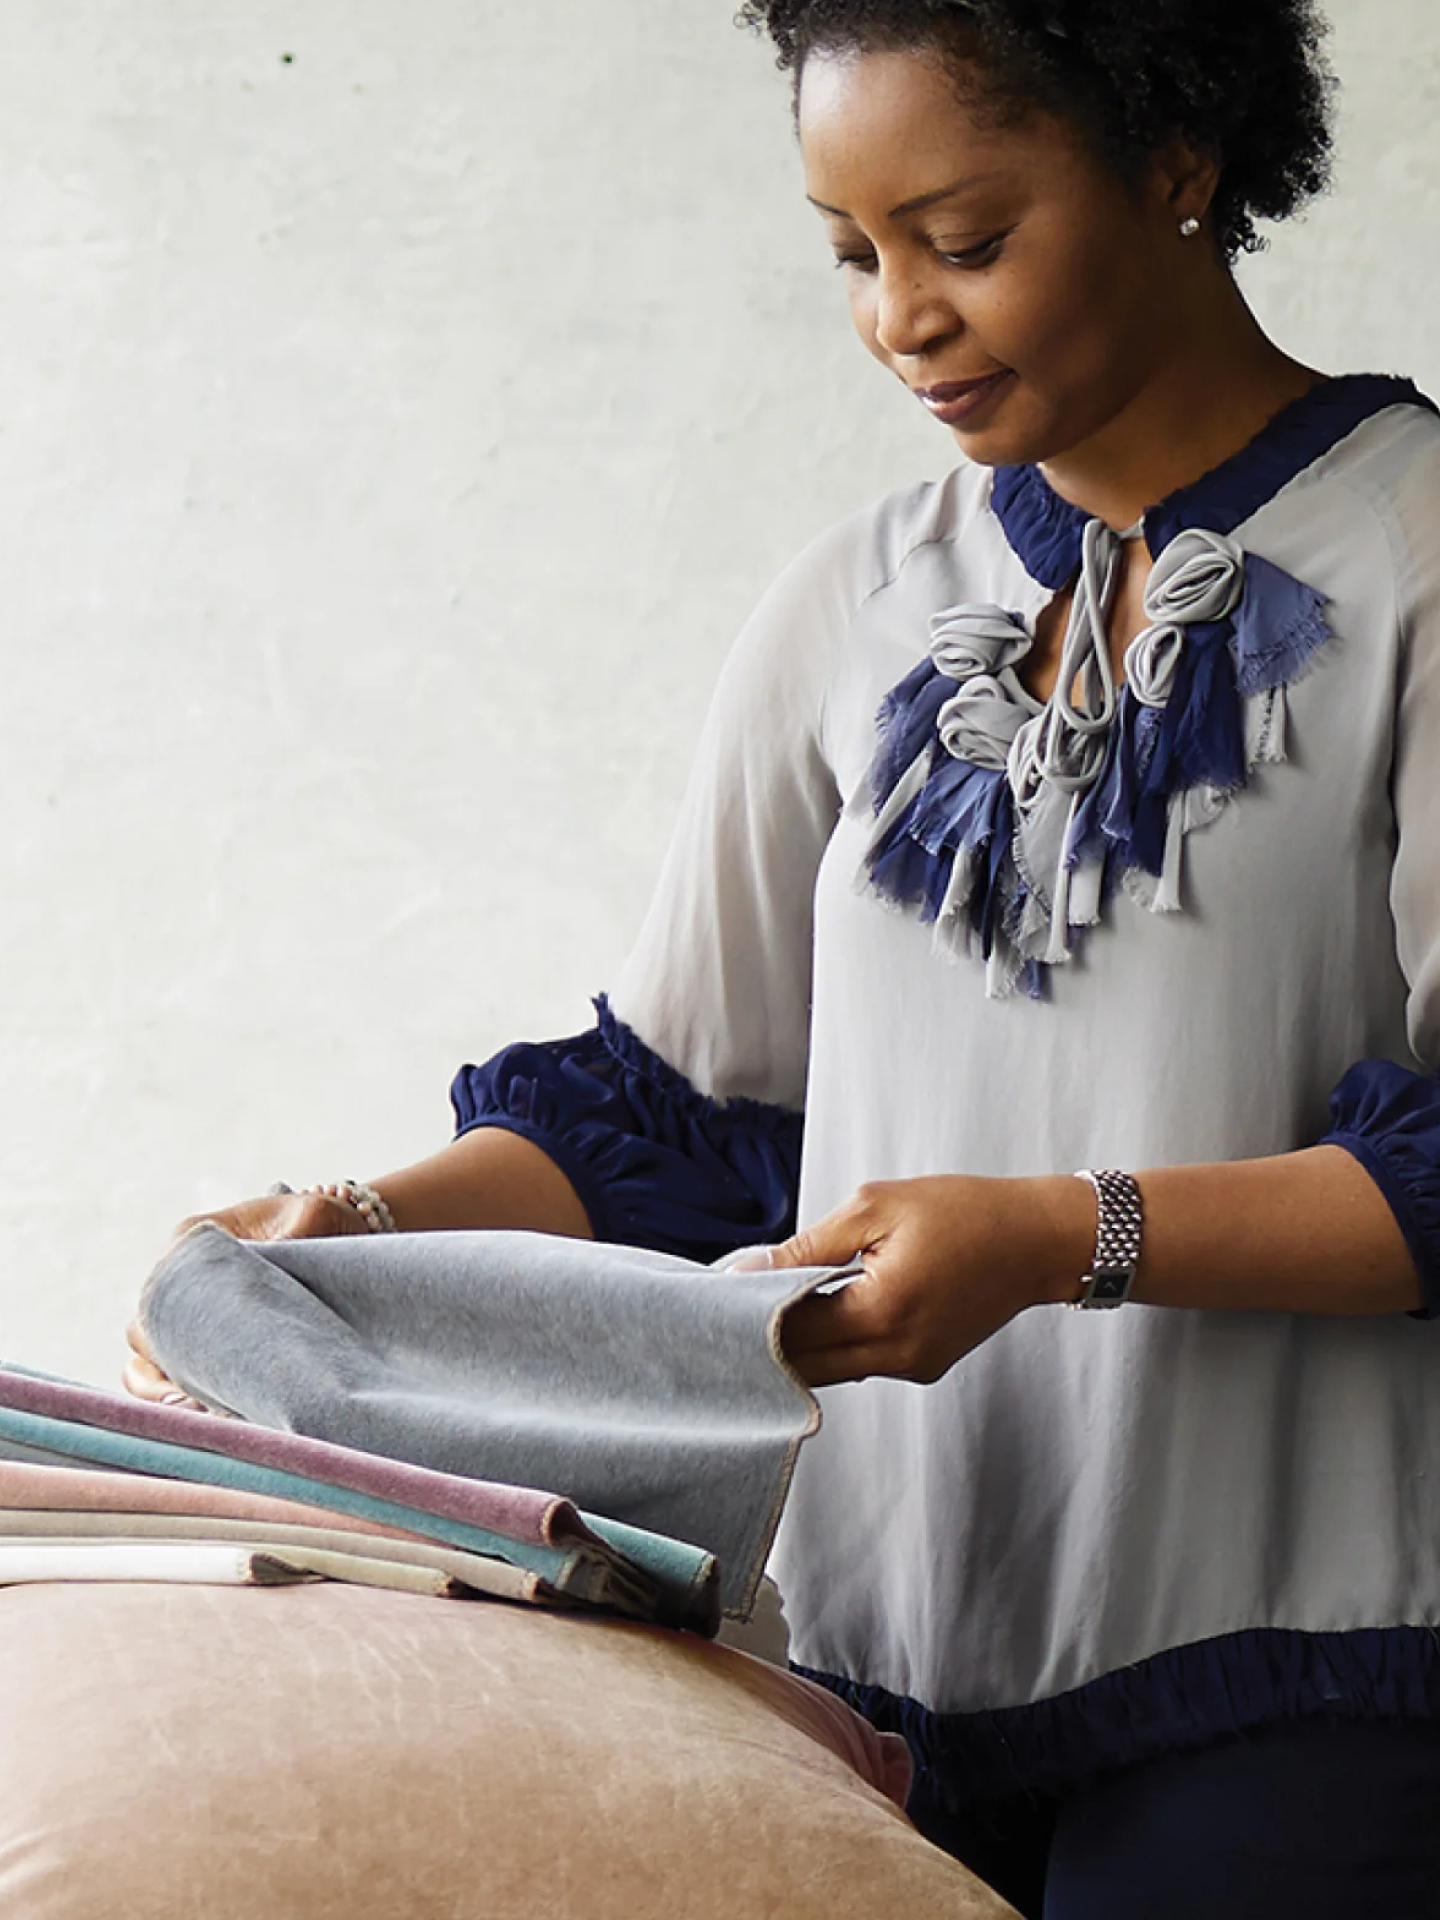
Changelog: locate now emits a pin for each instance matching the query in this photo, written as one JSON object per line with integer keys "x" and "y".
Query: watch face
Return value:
{"x": 1109, "y": 1287}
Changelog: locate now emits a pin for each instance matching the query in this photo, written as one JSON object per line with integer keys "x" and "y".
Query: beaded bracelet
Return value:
{"x": 363, "y": 1199}
{"x": 356, "y": 1195}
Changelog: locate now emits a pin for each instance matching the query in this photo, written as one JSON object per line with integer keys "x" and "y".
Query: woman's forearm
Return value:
{"x": 1305, "y": 1232}
{"x": 950, "y": 1259}
{"x": 488, "y": 1178}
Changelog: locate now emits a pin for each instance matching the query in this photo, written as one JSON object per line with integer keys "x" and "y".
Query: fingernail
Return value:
{"x": 749, "y": 1260}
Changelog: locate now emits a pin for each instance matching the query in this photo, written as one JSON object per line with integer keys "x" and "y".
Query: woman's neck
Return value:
{"x": 1226, "y": 381}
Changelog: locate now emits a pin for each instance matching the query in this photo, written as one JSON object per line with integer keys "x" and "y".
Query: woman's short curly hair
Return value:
{"x": 1242, "y": 79}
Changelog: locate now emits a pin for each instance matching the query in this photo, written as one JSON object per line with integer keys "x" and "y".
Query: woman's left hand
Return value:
{"x": 948, "y": 1261}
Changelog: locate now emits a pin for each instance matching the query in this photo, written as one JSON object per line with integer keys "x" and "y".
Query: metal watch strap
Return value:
{"x": 1118, "y": 1231}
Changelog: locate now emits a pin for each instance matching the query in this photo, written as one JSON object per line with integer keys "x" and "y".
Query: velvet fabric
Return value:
{"x": 648, "y": 1389}
{"x": 517, "y": 1522}
{"x": 340, "y": 1539}
{"x": 209, "y": 1563}
{"x": 332, "y": 1753}
{"x": 514, "y": 1513}
{"x": 72, "y": 1489}
{"x": 576, "y": 1563}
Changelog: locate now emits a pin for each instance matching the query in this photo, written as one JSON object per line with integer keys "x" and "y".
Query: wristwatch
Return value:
{"x": 1118, "y": 1228}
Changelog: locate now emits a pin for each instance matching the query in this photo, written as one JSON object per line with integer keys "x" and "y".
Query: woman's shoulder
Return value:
{"x": 1390, "y": 468}
{"x": 1391, "y": 461}
{"x": 858, "y": 557}
{"x": 807, "y": 624}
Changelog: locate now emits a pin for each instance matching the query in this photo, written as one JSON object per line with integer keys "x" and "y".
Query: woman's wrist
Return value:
{"x": 1053, "y": 1219}
{"x": 362, "y": 1199}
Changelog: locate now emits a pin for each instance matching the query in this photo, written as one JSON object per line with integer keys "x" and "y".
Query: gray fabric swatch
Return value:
{"x": 643, "y": 1387}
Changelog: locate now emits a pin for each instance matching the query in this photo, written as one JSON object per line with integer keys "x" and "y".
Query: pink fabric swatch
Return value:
{"x": 86, "y": 1490}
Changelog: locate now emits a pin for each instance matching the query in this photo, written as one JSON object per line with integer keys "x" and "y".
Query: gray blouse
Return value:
{"x": 1085, "y": 1492}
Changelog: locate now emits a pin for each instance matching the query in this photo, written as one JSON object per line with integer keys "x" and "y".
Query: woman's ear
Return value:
{"x": 1183, "y": 181}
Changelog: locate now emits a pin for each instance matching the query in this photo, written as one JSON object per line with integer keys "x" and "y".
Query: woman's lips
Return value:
{"x": 956, "y": 402}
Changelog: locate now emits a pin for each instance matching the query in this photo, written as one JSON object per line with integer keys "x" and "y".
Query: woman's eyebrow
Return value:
{"x": 921, "y": 200}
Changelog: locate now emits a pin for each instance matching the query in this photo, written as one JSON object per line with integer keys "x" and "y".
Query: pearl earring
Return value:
{"x": 1189, "y": 228}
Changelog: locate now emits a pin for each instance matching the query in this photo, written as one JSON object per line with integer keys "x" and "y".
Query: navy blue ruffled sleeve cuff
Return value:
{"x": 654, "y": 1162}
{"x": 1389, "y": 1119}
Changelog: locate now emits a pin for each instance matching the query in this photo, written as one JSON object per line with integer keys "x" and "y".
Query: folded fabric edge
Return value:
{"x": 808, "y": 1280}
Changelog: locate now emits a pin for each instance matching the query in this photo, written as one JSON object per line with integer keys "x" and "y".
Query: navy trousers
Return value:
{"x": 1316, "y": 1820}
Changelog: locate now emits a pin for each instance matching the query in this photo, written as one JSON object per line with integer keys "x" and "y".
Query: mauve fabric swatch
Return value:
{"x": 646, "y": 1388}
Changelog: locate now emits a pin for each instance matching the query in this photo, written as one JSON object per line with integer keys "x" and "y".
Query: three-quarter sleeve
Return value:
{"x": 653, "y": 1162}
{"x": 1388, "y": 1118}
{"x": 718, "y": 982}
{"x": 1384, "y": 1113}
{"x": 678, "y": 1118}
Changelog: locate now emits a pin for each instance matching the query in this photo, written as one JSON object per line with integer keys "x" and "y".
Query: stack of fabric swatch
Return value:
{"x": 116, "y": 1479}
{"x": 391, "y": 1401}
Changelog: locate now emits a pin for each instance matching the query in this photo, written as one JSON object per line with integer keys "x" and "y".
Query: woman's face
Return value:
{"x": 1004, "y": 273}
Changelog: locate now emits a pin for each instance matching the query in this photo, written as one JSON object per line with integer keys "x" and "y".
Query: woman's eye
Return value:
{"x": 862, "y": 262}
{"x": 984, "y": 255}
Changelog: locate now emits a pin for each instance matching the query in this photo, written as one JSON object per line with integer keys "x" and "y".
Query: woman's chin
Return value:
{"x": 1004, "y": 436}
{"x": 994, "y": 446}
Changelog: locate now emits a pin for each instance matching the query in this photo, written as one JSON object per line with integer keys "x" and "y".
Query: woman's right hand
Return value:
{"x": 274, "y": 1216}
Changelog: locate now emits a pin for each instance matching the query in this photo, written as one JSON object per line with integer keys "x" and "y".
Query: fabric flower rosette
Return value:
{"x": 1007, "y": 822}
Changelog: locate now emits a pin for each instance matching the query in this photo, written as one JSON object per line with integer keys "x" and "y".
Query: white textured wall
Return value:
{"x": 391, "y": 437}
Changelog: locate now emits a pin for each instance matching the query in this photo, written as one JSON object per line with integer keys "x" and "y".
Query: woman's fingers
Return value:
{"x": 145, "y": 1380}
{"x": 836, "y": 1365}
{"x": 854, "y": 1332}
{"x": 821, "y": 1339}
{"x": 840, "y": 1334}
{"x": 273, "y": 1216}
{"x": 939, "y": 1278}
{"x": 836, "y": 1241}
{"x": 142, "y": 1377}
{"x": 281, "y": 1216}
{"x": 822, "y": 1322}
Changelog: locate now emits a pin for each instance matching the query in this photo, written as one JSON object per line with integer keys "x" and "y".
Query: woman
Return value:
{"x": 1137, "y": 873}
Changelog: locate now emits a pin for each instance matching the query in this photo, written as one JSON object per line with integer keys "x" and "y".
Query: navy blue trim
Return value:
{"x": 1045, "y": 532}
{"x": 654, "y": 1162}
{"x": 1179, "y": 1699}
{"x": 1388, "y": 1118}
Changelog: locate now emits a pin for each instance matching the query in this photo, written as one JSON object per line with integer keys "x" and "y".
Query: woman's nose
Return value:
{"x": 911, "y": 312}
